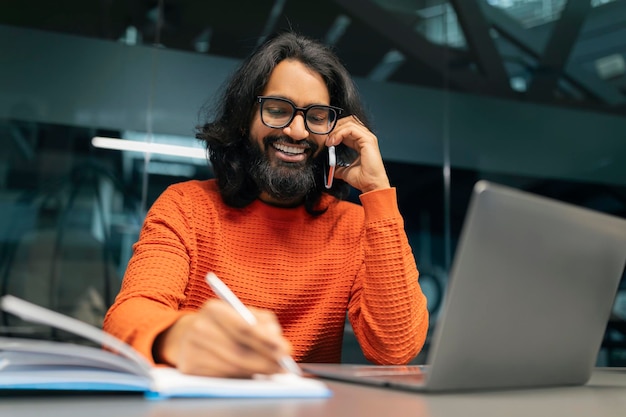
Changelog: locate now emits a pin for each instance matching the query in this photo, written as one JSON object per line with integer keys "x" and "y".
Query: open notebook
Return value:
{"x": 27, "y": 364}
{"x": 530, "y": 293}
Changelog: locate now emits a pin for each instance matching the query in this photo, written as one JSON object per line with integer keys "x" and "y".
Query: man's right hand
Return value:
{"x": 216, "y": 341}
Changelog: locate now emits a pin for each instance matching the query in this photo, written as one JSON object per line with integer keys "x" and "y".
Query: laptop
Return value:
{"x": 530, "y": 293}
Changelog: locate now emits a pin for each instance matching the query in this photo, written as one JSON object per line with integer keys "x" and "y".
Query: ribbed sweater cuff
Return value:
{"x": 155, "y": 326}
{"x": 380, "y": 204}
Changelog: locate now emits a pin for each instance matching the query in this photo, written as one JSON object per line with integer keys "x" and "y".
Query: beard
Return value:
{"x": 282, "y": 180}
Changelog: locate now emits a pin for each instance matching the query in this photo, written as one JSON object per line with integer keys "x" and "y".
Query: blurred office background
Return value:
{"x": 527, "y": 93}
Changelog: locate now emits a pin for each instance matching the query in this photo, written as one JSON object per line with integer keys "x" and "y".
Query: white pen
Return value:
{"x": 225, "y": 294}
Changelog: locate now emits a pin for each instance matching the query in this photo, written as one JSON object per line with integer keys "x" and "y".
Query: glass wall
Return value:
{"x": 526, "y": 93}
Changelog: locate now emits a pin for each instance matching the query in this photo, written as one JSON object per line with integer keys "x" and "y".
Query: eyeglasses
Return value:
{"x": 277, "y": 112}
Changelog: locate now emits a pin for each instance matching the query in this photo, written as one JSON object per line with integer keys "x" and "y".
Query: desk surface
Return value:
{"x": 604, "y": 395}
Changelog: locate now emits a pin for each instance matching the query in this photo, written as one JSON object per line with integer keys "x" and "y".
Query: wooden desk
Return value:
{"x": 604, "y": 396}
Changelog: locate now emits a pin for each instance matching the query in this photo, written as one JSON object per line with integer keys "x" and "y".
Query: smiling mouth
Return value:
{"x": 289, "y": 149}
{"x": 290, "y": 154}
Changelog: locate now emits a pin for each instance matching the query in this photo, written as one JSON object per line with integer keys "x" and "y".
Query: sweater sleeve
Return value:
{"x": 387, "y": 309}
{"x": 156, "y": 277}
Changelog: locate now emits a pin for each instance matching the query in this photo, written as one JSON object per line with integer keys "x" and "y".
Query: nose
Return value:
{"x": 296, "y": 129}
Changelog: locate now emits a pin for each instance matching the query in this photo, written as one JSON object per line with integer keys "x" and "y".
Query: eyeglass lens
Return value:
{"x": 279, "y": 113}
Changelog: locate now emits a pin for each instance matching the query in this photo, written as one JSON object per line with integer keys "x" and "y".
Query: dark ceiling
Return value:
{"x": 560, "y": 52}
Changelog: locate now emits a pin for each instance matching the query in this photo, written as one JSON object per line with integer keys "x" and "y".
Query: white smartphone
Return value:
{"x": 332, "y": 163}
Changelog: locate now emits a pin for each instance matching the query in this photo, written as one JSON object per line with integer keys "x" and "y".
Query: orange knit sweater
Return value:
{"x": 309, "y": 270}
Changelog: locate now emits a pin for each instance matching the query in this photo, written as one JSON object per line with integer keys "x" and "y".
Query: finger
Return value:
{"x": 357, "y": 120}
{"x": 262, "y": 344}
{"x": 227, "y": 361}
{"x": 221, "y": 356}
{"x": 207, "y": 350}
{"x": 341, "y": 172}
{"x": 265, "y": 336}
{"x": 352, "y": 134}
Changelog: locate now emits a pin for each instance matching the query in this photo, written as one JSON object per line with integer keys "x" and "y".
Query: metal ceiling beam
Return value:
{"x": 477, "y": 35}
{"x": 607, "y": 16}
{"x": 557, "y": 51}
{"x": 412, "y": 44}
{"x": 526, "y": 41}
{"x": 603, "y": 33}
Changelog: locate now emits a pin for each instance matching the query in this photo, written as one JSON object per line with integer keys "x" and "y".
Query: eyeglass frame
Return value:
{"x": 296, "y": 109}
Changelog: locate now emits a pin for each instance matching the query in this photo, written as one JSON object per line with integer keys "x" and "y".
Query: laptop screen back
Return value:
{"x": 530, "y": 292}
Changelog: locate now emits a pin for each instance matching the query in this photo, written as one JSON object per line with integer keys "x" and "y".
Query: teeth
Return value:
{"x": 288, "y": 149}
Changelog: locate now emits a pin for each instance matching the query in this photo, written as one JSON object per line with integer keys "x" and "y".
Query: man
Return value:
{"x": 291, "y": 250}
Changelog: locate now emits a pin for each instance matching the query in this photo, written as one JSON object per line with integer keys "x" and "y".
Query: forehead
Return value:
{"x": 293, "y": 80}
